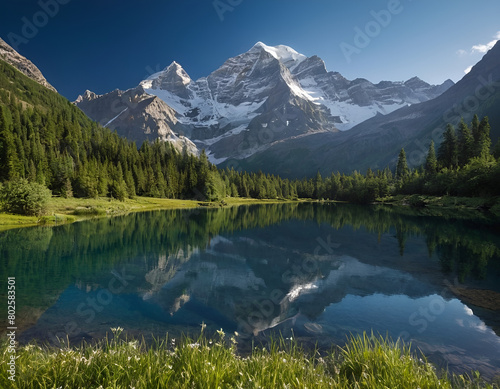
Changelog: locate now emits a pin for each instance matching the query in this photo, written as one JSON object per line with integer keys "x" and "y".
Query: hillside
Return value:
{"x": 375, "y": 143}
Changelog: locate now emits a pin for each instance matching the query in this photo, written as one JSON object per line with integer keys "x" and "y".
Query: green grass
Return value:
{"x": 367, "y": 361}
{"x": 61, "y": 210}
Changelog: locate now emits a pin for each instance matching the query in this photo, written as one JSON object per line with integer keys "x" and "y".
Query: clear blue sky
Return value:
{"x": 102, "y": 45}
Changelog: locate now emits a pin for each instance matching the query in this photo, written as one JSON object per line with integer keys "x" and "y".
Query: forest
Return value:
{"x": 46, "y": 143}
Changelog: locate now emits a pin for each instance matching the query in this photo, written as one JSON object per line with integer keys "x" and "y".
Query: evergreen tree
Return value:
{"x": 130, "y": 183}
{"x": 66, "y": 190}
{"x": 448, "y": 151}
{"x": 9, "y": 162}
{"x": 402, "y": 170}
{"x": 318, "y": 186}
{"x": 496, "y": 150}
{"x": 431, "y": 161}
{"x": 465, "y": 144}
{"x": 117, "y": 185}
{"x": 483, "y": 144}
{"x": 475, "y": 129}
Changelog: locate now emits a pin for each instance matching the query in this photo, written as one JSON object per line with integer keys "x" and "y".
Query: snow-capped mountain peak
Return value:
{"x": 285, "y": 54}
{"x": 175, "y": 68}
{"x": 269, "y": 94}
{"x": 173, "y": 78}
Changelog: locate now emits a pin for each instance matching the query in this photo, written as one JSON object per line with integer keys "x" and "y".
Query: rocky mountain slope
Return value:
{"x": 136, "y": 115}
{"x": 24, "y": 65}
{"x": 375, "y": 143}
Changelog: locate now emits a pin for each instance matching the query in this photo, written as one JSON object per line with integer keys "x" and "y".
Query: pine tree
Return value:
{"x": 402, "y": 170}
{"x": 66, "y": 190}
{"x": 117, "y": 186}
{"x": 318, "y": 186}
{"x": 465, "y": 144}
{"x": 8, "y": 156}
{"x": 448, "y": 151}
{"x": 496, "y": 150}
{"x": 475, "y": 129}
{"x": 484, "y": 141}
{"x": 431, "y": 161}
{"x": 129, "y": 181}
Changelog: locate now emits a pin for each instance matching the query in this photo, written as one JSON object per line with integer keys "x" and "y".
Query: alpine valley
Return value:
{"x": 257, "y": 110}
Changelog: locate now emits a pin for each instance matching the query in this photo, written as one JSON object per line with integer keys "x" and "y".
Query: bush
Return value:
{"x": 24, "y": 198}
{"x": 90, "y": 211}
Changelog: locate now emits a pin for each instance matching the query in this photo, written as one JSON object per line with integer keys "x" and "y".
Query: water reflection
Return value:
{"x": 323, "y": 270}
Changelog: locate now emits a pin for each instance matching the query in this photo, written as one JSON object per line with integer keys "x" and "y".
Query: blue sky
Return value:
{"x": 107, "y": 44}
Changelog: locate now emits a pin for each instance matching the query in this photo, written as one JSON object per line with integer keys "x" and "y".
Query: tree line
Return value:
{"x": 465, "y": 164}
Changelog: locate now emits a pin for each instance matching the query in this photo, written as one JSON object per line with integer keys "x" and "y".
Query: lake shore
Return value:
{"x": 68, "y": 210}
{"x": 61, "y": 210}
{"x": 445, "y": 204}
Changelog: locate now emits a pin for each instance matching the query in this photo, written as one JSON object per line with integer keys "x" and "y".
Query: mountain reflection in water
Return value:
{"x": 323, "y": 271}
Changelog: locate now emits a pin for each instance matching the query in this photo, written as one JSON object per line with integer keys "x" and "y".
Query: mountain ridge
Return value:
{"x": 269, "y": 94}
{"x": 375, "y": 143}
{"x": 23, "y": 64}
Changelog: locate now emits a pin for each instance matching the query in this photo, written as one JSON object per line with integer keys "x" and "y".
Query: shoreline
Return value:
{"x": 70, "y": 210}
{"x": 443, "y": 205}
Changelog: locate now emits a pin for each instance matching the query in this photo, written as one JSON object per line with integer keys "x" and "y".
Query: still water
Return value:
{"x": 318, "y": 272}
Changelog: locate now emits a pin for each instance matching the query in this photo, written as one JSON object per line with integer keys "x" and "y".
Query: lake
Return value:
{"x": 317, "y": 272}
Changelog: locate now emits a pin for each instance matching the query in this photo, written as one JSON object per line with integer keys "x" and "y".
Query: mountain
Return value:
{"x": 267, "y": 95}
{"x": 44, "y": 138}
{"x": 24, "y": 65}
{"x": 136, "y": 115}
{"x": 376, "y": 142}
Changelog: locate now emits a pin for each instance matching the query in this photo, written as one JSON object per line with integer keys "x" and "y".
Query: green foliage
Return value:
{"x": 89, "y": 211}
{"x": 448, "y": 150}
{"x": 496, "y": 150}
{"x": 483, "y": 143}
{"x": 24, "y": 198}
{"x": 431, "y": 161}
{"x": 402, "y": 170}
{"x": 213, "y": 362}
{"x": 474, "y": 173}
{"x": 465, "y": 144}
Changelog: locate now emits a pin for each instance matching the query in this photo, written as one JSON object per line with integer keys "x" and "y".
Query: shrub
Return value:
{"x": 90, "y": 211}
{"x": 24, "y": 198}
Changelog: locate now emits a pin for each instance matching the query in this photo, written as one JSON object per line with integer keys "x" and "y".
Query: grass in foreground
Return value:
{"x": 366, "y": 362}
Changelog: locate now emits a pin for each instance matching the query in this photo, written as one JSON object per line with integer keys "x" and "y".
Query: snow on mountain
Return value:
{"x": 136, "y": 115}
{"x": 266, "y": 95}
{"x": 352, "y": 102}
{"x": 250, "y": 92}
{"x": 288, "y": 56}
{"x": 236, "y": 91}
